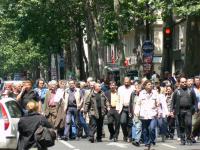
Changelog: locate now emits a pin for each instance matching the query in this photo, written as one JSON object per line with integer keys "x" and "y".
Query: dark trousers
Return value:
{"x": 96, "y": 125}
{"x": 185, "y": 124}
{"x": 113, "y": 122}
{"x": 82, "y": 125}
{"x": 126, "y": 123}
{"x": 170, "y": 126}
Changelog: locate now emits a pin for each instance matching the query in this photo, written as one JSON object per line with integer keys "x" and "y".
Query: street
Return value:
{"x": 84, "y": 144}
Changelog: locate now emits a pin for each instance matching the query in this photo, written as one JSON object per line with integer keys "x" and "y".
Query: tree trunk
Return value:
{"x": 80, "y": 53}
{"x": 192, "y": 65}
{"x": 92, "y": 40}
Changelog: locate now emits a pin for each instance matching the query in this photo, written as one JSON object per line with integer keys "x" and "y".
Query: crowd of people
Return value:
{"x": 143, "y": 109}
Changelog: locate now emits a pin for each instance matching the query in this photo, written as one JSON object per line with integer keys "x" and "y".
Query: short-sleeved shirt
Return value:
{"x": 27, "y": 96}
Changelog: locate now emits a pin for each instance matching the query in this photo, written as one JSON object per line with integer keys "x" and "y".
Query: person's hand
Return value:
{"x": 23, "y": 89}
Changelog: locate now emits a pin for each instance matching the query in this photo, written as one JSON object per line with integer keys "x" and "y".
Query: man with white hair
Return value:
{"x": 97, "y": 106}
{"x": 50, "y": 104}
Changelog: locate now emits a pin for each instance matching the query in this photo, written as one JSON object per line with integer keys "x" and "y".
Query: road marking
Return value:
{"x": 67, "y": 144}
{"x": 121, "y": 145}
{"x": 167, "y": 145}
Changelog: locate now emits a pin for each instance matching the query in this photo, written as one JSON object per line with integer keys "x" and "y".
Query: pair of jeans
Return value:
{"x": 162, "y": 125}
{"x": 136, "y": 129}
{"x": 148, "y": 127}
{"x": 71, "y": 112}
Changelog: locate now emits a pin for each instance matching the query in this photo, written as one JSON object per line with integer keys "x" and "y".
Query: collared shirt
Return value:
{"x": 125, "y": 94}
{"x": 114, "y": 99}
{"x": 147, "y": 106}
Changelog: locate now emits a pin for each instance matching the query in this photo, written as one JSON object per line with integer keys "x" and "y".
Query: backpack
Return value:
{"x": 45, "y": 137}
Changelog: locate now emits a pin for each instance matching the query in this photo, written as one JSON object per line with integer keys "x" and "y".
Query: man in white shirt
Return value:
{"x": 124, "y": 92}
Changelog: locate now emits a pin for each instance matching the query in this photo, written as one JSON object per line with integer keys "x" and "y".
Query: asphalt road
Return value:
{"x": 84, "y": 144}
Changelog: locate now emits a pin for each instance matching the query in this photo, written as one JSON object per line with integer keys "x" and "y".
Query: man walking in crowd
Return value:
{"x": 147, "y": 110}
{"x": 183, "y": 106}
{"x": 41, "y": 90}
{"x": 50, "y": 108}
{"x": 73, "y": 103}
{"x": 124, "y": 92}
{"x": 97, "y": 106}
{"x": 137, "y": 124}
{"x": 170, "y": 117}
{"x": 113, "y": 115}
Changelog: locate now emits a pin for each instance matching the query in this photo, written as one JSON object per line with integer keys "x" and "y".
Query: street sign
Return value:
{"x": 147, "y": 47}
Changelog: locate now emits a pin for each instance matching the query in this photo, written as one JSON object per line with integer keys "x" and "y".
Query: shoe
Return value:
{"x": 91, "y": 140}
{"x": 99, "y": 140}
{"x": 136, "y": 143}
{"x": 64, "y": 138}
{"x": 154, "y": 143}
{"x": 111, "y": 137}
{"x": 84, "y": 137}
{"x": 115, "y": 139}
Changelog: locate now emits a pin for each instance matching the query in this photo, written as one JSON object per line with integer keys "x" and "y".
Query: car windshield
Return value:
{"x": 13, "y": 109}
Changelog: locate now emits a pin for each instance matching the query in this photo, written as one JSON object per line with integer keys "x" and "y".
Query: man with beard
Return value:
{"x": 124, "y": 92}
{"x": 113, "y": 115}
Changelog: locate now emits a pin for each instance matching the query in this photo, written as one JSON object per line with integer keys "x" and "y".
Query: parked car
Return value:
{"x": 10, "y": 113}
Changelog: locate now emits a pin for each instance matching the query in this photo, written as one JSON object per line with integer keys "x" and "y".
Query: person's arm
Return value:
{"x": 173, "y": 103}
{"x": 87, "y": 103}
{"x": 194, "y": 100}
{"x": 19, "y": 96}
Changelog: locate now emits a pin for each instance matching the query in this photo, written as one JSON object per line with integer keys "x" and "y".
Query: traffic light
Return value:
{"x": 167, "y": 33}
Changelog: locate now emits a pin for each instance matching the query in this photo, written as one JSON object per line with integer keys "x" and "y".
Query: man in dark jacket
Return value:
{"x": 183, "y": 104}
{"x": 27, "y": 94}
{"x": 97, "y": 106}
{"x": 28, "y": 125}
